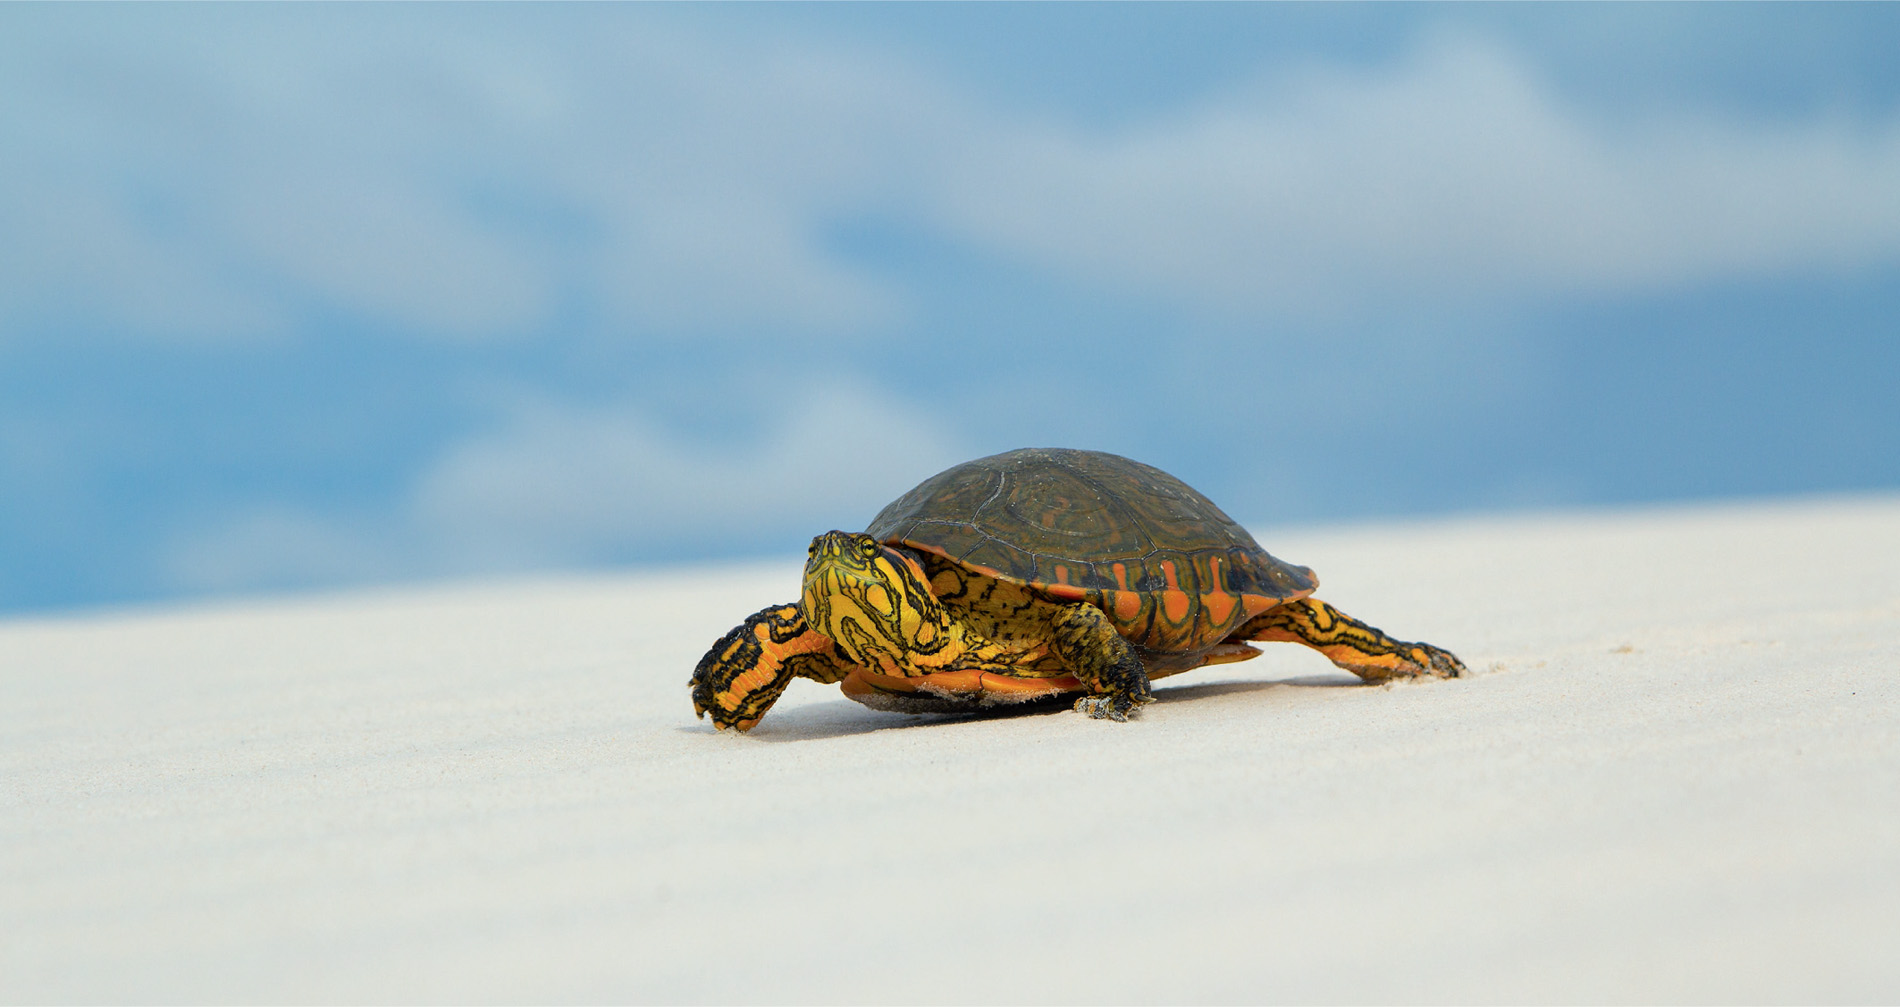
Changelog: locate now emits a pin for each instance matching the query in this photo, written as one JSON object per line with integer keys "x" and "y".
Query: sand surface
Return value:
{"x": 1675, "y": 776}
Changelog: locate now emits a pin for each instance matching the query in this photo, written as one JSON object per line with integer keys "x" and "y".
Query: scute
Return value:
{"x": 1089, "y": 520}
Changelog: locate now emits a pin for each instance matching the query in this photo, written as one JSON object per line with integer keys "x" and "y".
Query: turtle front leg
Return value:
{"x": 748, "y": 669}
{"x": 1085, "y": 641}
{"x": 1349, "y": 643}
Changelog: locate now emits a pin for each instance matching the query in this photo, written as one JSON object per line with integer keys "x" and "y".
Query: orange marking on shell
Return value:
{"x": 1219, "y": 607}
{"x": 1121, "y": 576}
{"x": 1032, "y": 686}
{"x": 1066, "y": 591}
{"x": 1062, "y": 573}
{"x": 1226, "y": 653}
{"x": 972, "y": 567}
{"x": 1127, "y": 605}
{"x": 865, "y": 680}
{"x": 915, "y": 568}
{"x": 1175, "y": 604}
{"x": 953, "y": 681}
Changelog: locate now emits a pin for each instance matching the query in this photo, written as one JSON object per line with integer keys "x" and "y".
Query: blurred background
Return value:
{"x": 314, "y": 296}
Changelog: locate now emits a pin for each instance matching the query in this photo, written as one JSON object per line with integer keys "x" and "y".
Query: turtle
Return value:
{"x": 1032, "y": 574}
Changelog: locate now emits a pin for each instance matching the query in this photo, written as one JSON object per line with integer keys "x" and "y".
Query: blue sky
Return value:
{"x": 314, "y": 296}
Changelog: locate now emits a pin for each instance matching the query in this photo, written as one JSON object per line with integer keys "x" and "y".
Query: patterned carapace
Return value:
{"x": 1172, "y": 571}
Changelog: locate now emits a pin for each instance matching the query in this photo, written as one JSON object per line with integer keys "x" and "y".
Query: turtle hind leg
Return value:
{"x": 748, "y": 669}
{"x": 1087, "y": 642}
{"x": 1349, "y": 643}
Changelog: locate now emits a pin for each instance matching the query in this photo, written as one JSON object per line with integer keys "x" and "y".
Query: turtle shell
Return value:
{"x": 1172, "y": 571}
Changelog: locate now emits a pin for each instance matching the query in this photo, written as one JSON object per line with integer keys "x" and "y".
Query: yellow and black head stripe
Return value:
{"x": 877, "y": 603}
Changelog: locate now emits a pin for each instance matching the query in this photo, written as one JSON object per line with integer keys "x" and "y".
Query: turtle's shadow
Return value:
{"x": 1208, "y": 690}
{"x": 844, "y": 718}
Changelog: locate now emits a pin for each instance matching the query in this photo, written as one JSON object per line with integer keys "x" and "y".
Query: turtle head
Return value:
{"x": 872, "y": 600}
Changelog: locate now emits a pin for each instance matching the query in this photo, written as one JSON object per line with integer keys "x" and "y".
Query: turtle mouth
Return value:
{"x": 854, "y": 549}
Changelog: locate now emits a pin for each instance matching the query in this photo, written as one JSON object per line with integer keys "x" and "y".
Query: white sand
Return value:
{"x": 1676, "y": 776}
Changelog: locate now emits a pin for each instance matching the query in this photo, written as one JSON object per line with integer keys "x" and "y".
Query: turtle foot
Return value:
{"x": 1116, "y": 708}
{"x": 1439, "y": 663}
{"x": 706, "y": 704}
{"x": 1406, "y": 660}
{"x": 1412, "y": 660}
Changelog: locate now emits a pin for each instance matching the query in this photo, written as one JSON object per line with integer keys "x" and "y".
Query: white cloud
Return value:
{"x": 560, "y": 486}
{"x": 70, "y": 252}
{"x": 226, "y": 177}
{"x": 229, "y": 179}
{"x": 563, "y": 485}
{"x": 390, "y": 248}
{"x": 1456, "y": 176}
{"x": 282, "y": 547}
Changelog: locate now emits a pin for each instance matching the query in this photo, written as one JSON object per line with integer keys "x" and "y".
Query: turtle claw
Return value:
{"x": 1115, "y": 708}
{"x": 704, "y": 705}
{"x": 702, "y": 700}
{"x": 1439, "y": 663}
{"x": 1446, "y": 664}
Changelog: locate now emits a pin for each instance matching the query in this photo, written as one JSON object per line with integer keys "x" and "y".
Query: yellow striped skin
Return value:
{"x": 1349, "y": 643}
{"x": 747, "y": 670}
{"x": 920, "y": 633}
{"x": 876, "y": 603}
{"x": 871, "y": 617}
